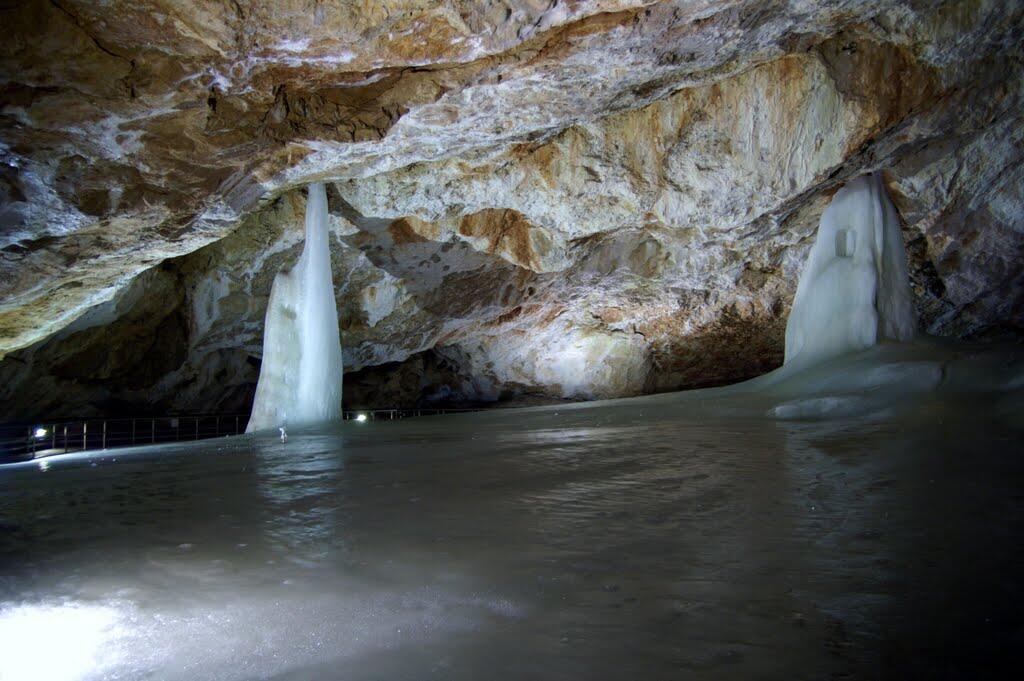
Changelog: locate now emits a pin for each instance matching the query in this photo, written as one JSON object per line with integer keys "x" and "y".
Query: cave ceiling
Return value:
{"x": 580, "y": 199}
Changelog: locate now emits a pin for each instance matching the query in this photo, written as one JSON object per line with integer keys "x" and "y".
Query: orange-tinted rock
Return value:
{"x": 578, "y": 199}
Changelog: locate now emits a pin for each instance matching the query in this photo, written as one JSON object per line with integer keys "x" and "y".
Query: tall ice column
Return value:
{"x": 300, "y": 378}
{"x": 854, "y": 289}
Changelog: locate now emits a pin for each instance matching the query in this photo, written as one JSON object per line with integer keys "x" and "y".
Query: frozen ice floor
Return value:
{"x": 860, "y": 522}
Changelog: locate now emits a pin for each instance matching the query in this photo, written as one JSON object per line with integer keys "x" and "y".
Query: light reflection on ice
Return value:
{"x": 236, "y": 636}
{"x": 57, "y": 642}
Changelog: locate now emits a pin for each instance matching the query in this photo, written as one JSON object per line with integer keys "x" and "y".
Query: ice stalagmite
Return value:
{"x": 300, "y": 379}
{"x": 854, "y": 289}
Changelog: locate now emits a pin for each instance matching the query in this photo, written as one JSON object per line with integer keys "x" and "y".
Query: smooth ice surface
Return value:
{"x": 854, "y": 289}
{"x": 301, "y": 374}
{"x": 861, "y": 520}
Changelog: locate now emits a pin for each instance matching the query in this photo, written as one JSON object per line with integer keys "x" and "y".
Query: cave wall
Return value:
{"x": 615, "y": 202}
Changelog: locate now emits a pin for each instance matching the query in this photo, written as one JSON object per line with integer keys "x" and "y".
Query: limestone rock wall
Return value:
{"x": 543, "y": 200}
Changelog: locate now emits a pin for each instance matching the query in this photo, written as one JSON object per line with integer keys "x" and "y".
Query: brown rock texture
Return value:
{"x": 548, "y": 198}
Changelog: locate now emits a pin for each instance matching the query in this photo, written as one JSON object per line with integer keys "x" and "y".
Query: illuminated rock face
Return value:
{"x": 590, "y": 199}
{"x": 854, "y": 290}
{"x": 301, "y": 373}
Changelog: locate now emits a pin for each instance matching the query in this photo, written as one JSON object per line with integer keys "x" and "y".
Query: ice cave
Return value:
{"x": 511, "y": 339}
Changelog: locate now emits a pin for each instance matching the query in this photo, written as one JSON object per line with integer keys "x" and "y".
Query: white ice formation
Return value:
{"x": 300, "y": 379}
{"x": 854, "y": 290}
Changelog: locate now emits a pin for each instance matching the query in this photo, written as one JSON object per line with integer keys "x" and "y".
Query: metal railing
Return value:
{"x": 394, "y": 414}
{"x": 25, "y": 442}
{"x": 60, "y": 437}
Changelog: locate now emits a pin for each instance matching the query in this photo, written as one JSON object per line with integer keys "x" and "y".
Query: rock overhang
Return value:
{"x": 644, "y": 173}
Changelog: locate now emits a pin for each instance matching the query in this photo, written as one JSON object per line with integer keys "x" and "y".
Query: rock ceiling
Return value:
{"x": 568, "y": 198}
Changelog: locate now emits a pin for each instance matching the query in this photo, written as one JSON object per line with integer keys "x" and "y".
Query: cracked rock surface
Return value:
{"x": 530, "y": 199}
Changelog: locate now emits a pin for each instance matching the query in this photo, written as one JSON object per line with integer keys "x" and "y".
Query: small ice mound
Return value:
{"x": 890, "y": 377}
{"x": 909, "y": 376}
{"x": 820, "y": 408}
{"x": 855, "y": 385}
{"x": 854, "y": 289}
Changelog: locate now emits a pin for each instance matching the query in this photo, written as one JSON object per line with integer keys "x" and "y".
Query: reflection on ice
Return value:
{"x": 58, "y": 642}
{"x": 741, "y": 532}
{"x": 239, "y": 636}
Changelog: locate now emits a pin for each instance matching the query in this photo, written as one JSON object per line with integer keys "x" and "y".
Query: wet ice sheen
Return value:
{"x": 693, "y": 535}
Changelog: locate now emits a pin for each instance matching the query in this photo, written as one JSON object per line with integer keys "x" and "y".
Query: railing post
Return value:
{"x": 133, "y": 431}
{"x": 236, "y": 425}
{"x": 104, "y": 435}
{"x": 32, "y": 439}
{"x": 216, "y": 427}
{"x": 197, "y": 428}
{"x": 152, "y": 431}
{"x": 54, "y": 436}
{"x": 85, "y": 435}
{"x": 65, "y": 438}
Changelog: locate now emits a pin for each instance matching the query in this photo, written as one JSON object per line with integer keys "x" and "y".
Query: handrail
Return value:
{"x": 21, "y": 442}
